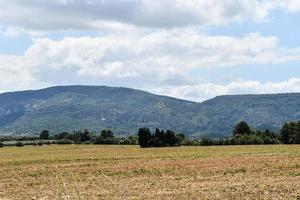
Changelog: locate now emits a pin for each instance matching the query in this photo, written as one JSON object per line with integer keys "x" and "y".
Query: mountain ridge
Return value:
{"x": 67, "y": 108}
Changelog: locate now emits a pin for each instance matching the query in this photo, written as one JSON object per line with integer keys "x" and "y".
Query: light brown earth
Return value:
{"x": 129, "y": 172}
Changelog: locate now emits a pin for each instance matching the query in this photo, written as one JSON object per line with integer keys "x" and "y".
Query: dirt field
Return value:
{"x": 129, "y": 172}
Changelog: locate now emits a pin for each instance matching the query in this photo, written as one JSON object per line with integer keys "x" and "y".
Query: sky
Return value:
{"x": 187, "y": 49}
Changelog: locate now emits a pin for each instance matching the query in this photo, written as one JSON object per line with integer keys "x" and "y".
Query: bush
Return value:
{"x": 20, "y": 144}
{"x": 188, "y": 142}
{"x": 101, "y": 140}
{"x": 47, "y": 143}
{"x": 254, "y": 139}
{"x": 40, "y": 143}
{"x": 206, "y": 142}
{"x": 24, "y": 138}
{"x": 63, "y": 135}
{"x": 64, "y": 141}
{"x": 87, "y": 142}
{"x": 1, "y": 145}
{"x": 133, "y": 140}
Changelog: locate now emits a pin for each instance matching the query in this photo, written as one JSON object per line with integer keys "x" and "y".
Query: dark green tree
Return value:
{"x": 144, "y": 137}
{"x": 63, "y": 135}
{"x": 158, "y": 138}
{"x": 107, "y": 137}
{"x": 44, "y": 135}
{"x": 86, "y": 135}
{"x": 106, "y": 133}
{"x": 80, "y": 136}
{"x": 286, "y": 133}
{"x": 290, "y": 133}
{"x": 170, "y": 138}
{"x": 242, "y": 128}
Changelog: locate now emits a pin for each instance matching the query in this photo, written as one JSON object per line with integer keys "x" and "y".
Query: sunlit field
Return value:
{"x": 129, "y": 172}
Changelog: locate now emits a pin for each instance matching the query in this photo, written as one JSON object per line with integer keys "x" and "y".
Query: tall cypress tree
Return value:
{"x": 144, "y": 139}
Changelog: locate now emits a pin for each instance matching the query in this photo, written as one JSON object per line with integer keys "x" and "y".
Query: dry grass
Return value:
{"x": 129, "y": 172}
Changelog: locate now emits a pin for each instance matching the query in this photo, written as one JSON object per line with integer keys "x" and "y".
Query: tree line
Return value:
{"x": 242, "y": 134}
{"x": 85, "y": 136}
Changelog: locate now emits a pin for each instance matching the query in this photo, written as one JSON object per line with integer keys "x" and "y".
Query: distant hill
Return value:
{"x": 124, "y": 110}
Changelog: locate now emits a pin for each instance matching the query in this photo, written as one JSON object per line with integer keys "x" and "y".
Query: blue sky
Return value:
{"x": 188, "y": 49}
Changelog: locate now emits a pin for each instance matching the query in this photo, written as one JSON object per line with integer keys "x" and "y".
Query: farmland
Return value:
{"x": 130, "y": 172}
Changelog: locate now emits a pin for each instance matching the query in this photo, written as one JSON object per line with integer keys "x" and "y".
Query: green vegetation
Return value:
{"x": 159, "y": 139}
{"x": 44, "y": 135}
{"x": 86, "y": 137}
{"x": 64, "y": 141}
{"x": 19, "y": 144}
{"x": 290, "y": 133}
{"x": 242, "y": 134}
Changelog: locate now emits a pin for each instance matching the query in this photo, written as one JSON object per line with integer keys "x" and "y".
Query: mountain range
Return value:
{"x": 124, "y": 110}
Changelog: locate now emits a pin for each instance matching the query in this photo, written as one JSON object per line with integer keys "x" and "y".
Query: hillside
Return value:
{"x": 124, "y": 110}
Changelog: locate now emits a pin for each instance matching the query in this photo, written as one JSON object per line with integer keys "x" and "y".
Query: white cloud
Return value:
{"x": 161, "y": 59}
{"x": 35, "y": 16}
{"x": 147, "y": 44}
{"x": 94, "y": 14}
{"x": 157, "y": 52}
{"x": 200, "y": 92}
{"x": 292, "y": 6}
{"x": 16, "y": 73}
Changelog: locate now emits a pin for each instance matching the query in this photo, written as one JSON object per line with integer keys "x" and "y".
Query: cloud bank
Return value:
{"x": 122, "y": 14}
{"x": 163, "y": 61}
{"x": 201, "y": 92}
{"x": 159, "y": 46}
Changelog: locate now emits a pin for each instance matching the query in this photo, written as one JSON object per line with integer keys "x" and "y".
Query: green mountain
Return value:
{"x": 124, "y": 110}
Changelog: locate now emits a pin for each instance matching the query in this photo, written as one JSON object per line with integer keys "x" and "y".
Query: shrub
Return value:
{"x": 87, "y": 142}
{"x": 63, "y": 135}
{"x": 40, "y": 143}
{"x": 64, "y": 141}
{"x": 125, "y": 142}
{"x": 206, "y": 142}
{"x": 188, "y": 142}
{"x": 20, "y": 144}
{"x": 133, "y": 140}
{"x": 101, "y": 140}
